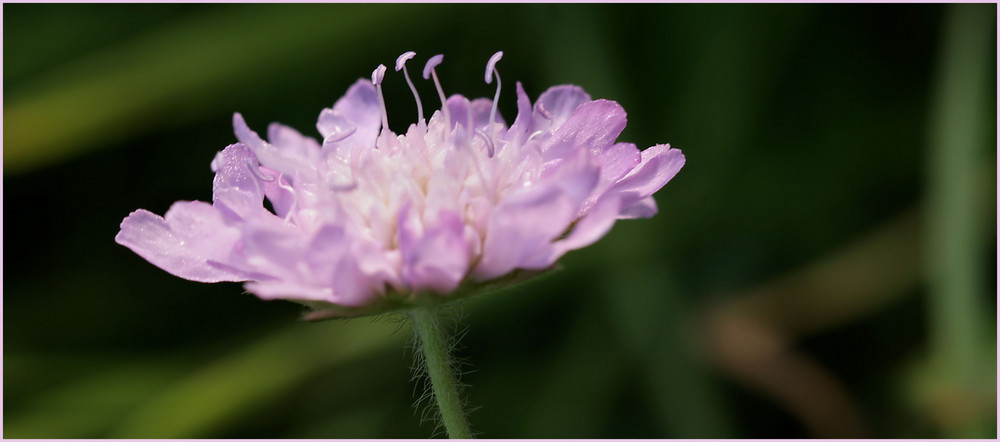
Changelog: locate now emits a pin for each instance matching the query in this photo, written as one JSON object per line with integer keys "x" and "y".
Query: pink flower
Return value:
{"x": 368, "y": 220}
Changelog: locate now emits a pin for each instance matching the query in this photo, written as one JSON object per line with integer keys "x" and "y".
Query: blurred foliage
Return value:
{"x": 819, "y": 267}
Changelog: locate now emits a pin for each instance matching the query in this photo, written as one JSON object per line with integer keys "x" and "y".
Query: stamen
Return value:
{"x": 377, "y": 75}
{"x": 489, "y": 144}
{"x": 491, "y": 71}
{"x": 255, "y": 171}
{"x": 401, "y": 64}
{"x": 428, "y": 73}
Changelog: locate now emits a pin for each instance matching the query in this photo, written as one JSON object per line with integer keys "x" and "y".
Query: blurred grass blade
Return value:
{"x": 957, "y": 146}
{"x": 87, "y": 407}
{"x": 219, "y": 394}
{"x": 171, "y": 73}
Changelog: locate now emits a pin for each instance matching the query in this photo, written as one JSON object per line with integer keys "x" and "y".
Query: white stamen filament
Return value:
{"x": 486, "y": 139}
{"x": 469, "y": 134}
{"x": 430, "y": 73}
{"x": 401, "y": 64}
{"x": 377, "y": 75}
{"x": 491, "y": 71}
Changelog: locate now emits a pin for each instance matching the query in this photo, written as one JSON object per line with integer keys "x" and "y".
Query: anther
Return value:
{"x": 377, "y": 75}
{"x": 401, "y": 64}
{"x": 491, "y": 71}
{"x": 429, "y": 73}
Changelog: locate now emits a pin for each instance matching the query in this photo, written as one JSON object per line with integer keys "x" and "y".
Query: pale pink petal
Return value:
{"x": 577, "y": 176}
{"x": 182, "y": 243}
{"x": 659, "y": 164}
{"x": 435, "y": 257}
{"x": 520, "y": 129}
{"x": 244, "y": 134}
{"x": 556, "y": 104}
{"x": 618, "y": 160}
{"x": 460, "y": 110}
{"x": 292, "y": 143}
{"x": 594, "y": 126}
{"x": 236, "y": 188}
{"x": 590, "y": 228}
{"x": 334, "y": 126}
{"x": 289, "y": 290}
{"x": 332, "y": 264}
{"x": 481, "y": 108}
{"x": 267, "y": 154}
{"x": 645, "y": 208}
{"x": 357, "y": 114}
{"x": 275, "y": 249}
{"x": 522, "y": 228}
{"x": 279, "y": 193}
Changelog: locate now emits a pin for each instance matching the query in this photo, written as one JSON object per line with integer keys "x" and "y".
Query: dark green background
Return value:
{"x": 793, "y": 284}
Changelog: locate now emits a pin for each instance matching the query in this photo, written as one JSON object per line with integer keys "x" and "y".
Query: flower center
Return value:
{"x": 493, "y": 127}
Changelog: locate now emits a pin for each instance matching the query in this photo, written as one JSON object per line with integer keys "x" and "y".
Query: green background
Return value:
{"x": 819, "y": 268}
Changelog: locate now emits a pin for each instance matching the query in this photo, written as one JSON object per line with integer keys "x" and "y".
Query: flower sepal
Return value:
{"x": 398, "y": 301}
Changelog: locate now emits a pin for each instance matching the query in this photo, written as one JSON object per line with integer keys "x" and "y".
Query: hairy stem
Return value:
{"x": 434, "y": 344}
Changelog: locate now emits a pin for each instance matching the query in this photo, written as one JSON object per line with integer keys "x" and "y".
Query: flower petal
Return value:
{"x": 244, "y": 134}
{"x": 280, "y": 194}
{"x": 594, "y": 125}
{"x": 235, "y": 188}
{"x": 481, "y": 108}
{"x": 518, "y": 133}
{"x": 182, "y": 243}
{"x": 522, "y": 228}
{"x": 332, "y": 264}
{"x": 292, "y": 143}
{"x": 437, "y": 258}
{"x": 358, "y": 109}
{"x": 576, "y": 176}
{"x": 556, "y": 104}
{"x": 288, "y": 290}
{"x": 659, "y": 164}
{"x": 590, "y": 228}
{"x": 268, "y": 155}
{"x": 645, "y": 208}
{"x": 275, "y": 249}
{"x": 460, "y": 112}
{"x": 618, "y": 160}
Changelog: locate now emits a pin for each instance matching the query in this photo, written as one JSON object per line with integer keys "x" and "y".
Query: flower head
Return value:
{"x": 367, "y": 220}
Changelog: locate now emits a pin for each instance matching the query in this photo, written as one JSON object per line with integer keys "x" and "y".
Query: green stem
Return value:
{"x": 434, "y": 344}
